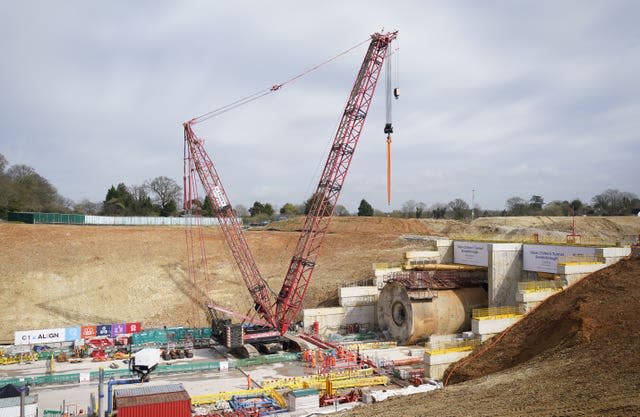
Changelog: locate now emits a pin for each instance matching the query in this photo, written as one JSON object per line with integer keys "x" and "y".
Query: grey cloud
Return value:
{"x": 507, "y": 98}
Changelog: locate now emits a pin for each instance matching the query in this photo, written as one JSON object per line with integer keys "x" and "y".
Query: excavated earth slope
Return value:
{"x": 57, "y": 276}
{"x": 591, "y": 230}
{"x": 577, "y": 354}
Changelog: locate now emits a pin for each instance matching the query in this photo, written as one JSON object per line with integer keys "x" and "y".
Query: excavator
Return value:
{"x": 278, "y": 311}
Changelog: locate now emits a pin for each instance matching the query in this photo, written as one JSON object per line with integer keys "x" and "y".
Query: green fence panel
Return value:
{"x": 53, "y": 379}
{"x": 20, "y": 217}
{"x": 48, "y": 218}
{"x": 261, "y": 360}
{"x": 12, "y": 381}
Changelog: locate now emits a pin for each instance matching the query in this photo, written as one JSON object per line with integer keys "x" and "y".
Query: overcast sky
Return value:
{"x": 507, "y": 98}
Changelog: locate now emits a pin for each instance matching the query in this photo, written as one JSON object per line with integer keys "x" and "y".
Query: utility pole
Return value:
{"x": 473, "y": 208}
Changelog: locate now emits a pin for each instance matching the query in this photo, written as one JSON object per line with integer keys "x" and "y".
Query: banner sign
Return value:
{"x": 103, "y": 330}
{"x": 117, "y": 329}
{"x": 133, "y": 328}
{"x": 544, "y": 258}
{"x": 71, "y": 334}
{"x": 471, "y": 253}
{"x": 88, "y": 332}
{"x": 32, "y": 337}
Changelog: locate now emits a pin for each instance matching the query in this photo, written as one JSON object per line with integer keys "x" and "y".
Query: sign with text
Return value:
{"x": 471, "y": 253}
{"x": 32, "y": 337}
{"x": 544, "y": 258}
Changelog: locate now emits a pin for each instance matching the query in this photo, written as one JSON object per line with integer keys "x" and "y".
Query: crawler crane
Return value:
{"x": 278, "y": 311}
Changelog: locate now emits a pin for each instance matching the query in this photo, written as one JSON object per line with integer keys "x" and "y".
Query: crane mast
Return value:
{"x": 289, "y": 300}
{"x": 197, "y": 159}
{"x": 324, "y": 200}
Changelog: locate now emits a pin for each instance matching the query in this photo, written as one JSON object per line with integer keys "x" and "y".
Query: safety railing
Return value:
{"x": 370, "y": 345}
{"x": 74, "y": 378}
{"x": 387, "y": 265}
{"x": 580, "y": 260}
{"x": 537, "y": 286}
{"x": 226, "y": 396}
{"x": 493, "y": 313}
{"x": 302, "y": 381}
{"x": 279, "y": 398}
{"x": 443, "y": 347}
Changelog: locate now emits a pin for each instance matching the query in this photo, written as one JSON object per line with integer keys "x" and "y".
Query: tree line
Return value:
{"x": 23, "y": 189}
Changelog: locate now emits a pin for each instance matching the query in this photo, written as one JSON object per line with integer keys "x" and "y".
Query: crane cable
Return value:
{"x": 268, "y": 90}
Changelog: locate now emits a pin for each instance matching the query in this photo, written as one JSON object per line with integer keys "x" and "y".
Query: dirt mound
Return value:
{"x": 603, "y": 307}
{"x": 592, "y": 230}
{"x": 578, "y": 354}
{"x": 377, "y": 225}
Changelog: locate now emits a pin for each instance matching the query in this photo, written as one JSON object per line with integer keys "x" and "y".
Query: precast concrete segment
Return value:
{"x": 484, "y": 327}
{"x": 436, "y": 365}
{"x": 410, "y": 316}
{"x": 357, "y": 296}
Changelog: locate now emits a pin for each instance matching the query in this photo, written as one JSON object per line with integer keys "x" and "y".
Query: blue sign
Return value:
{"x": 72, "y": 333}
{"x": 103, "y": 330}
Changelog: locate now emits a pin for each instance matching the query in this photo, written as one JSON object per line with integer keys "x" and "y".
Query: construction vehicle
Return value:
{"x": 98, "y": 355}
{"x": 276, "y": 316}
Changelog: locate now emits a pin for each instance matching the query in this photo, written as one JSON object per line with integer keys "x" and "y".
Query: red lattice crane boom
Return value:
{"x": 335, "y": 171}
{"x": 198, "y": 160}
{"x": 288, "y": 303}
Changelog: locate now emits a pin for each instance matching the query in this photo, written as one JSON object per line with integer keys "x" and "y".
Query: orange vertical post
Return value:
{"x": 389, "y": 169}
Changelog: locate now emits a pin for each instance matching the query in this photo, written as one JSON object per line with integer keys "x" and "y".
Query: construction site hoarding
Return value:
{"x": 50, "y": 218}
{"x": 72, "y": 333}
{"x": 32, "y": 337}
{"x": 103, "y": 330}
{"x": 545, "y": 258}
{"x": 132, "y": 327}
{"x": 117, "y": 329}
{"x": 88, "y": 332}
{"x": 150, "y": 221}
{"x": 471, "y": 253}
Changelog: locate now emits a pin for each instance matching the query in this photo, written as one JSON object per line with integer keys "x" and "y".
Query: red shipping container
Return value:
{"x": 156, "y": 401}
{"x": 133, "y": 328}
{"x": 88, "y": 332}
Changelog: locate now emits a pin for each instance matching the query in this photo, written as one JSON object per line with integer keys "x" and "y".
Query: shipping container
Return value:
{"x": 153, "y": 401}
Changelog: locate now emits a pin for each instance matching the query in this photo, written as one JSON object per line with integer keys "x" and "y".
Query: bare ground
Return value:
{"x": 579, "y": 357}
{"x": 58, "y": 276}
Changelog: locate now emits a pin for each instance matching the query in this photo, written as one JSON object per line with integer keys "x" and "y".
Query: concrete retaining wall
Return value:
{"x": 505, "y": 270}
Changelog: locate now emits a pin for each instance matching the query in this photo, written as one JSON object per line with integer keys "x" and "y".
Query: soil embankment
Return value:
{"x": 578, "y": 354}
